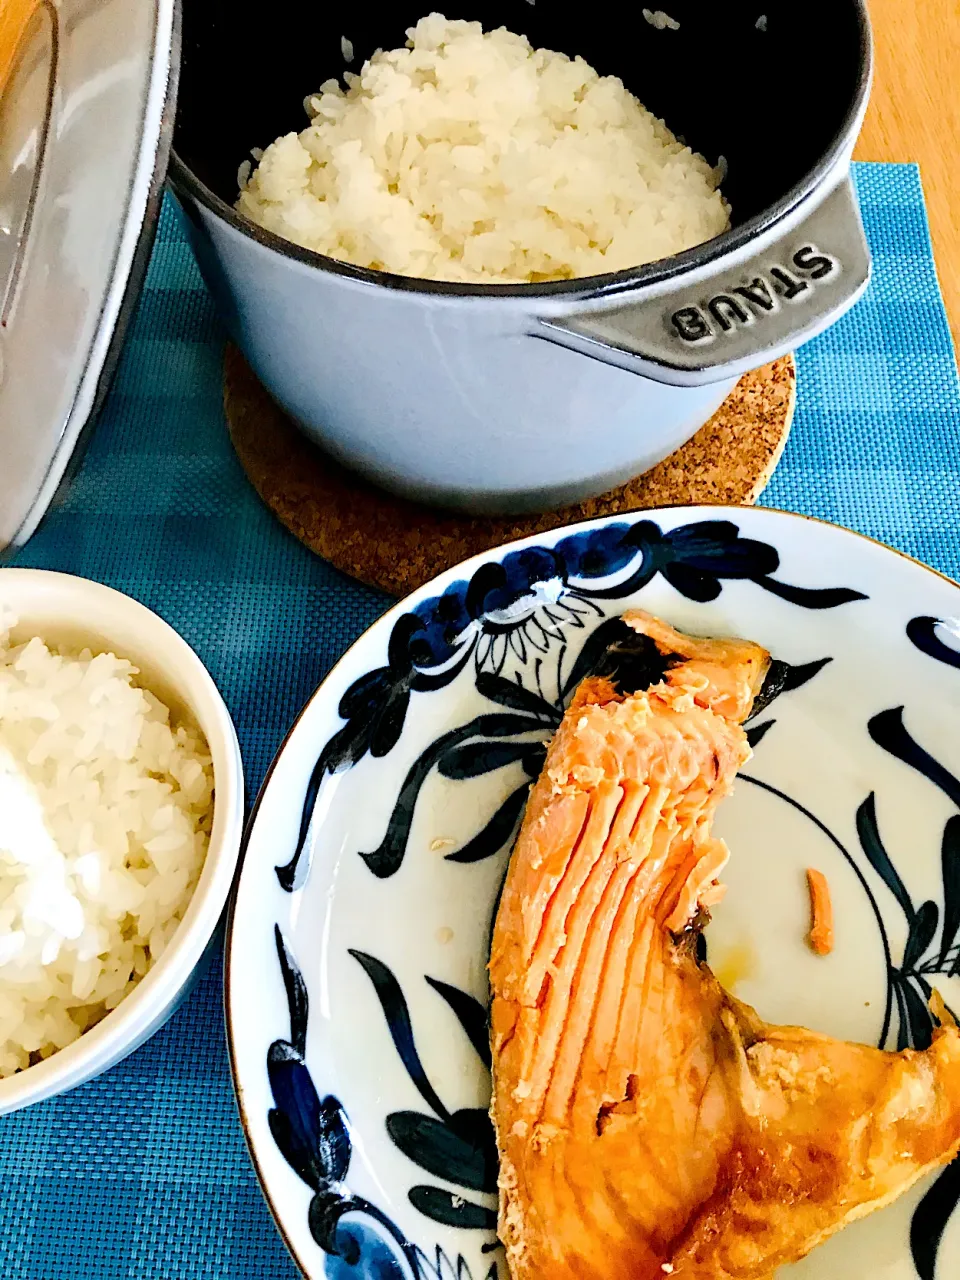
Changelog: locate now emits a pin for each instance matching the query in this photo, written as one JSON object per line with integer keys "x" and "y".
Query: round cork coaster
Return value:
{"x": 396, "y": 544}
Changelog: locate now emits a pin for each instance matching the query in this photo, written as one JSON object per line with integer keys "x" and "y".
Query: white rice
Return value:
{"x": 662, "y": 21}
{"x": 472, "y": 157}
{"x": 105, "y": 812}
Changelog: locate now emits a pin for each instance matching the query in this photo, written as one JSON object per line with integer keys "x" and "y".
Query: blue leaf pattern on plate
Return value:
{"x": 922, "y": 632}
{"x": 527, "y": 601}
{"x": 544, "y": 609}
{"x": 314, "y": 1138}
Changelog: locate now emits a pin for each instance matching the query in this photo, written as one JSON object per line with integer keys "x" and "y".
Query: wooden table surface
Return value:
{"x": 914, "y": 114}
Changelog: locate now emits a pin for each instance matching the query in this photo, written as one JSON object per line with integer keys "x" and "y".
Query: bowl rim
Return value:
{"x": 153, "y": 1000}
{"x": 186, "y": 183}
{"x": 439, "y": 582}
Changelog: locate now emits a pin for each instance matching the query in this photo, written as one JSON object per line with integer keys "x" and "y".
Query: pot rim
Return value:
{"x": 609, "y": 284}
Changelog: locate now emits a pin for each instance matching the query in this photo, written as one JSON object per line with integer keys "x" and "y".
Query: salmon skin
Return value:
{"x": 648, "y": 1123}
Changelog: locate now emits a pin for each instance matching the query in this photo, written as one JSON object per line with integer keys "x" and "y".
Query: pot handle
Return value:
{"x": 741, "y": 317}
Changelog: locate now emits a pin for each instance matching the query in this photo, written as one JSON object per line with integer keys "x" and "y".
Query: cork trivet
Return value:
{"x": 396, "y": 544}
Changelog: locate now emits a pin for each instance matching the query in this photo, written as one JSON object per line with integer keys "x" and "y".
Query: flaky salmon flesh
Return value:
{"x": 648, "y": 1123}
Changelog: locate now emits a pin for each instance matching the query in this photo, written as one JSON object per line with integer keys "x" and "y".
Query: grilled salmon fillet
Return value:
{"x": 648, "y": 1123}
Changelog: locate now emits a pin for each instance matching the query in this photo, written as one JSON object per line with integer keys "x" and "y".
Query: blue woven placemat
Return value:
{"x": 143, "y": 1174}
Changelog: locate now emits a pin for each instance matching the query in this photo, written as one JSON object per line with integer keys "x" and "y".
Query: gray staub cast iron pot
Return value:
{"x": 87, "y": 90}
{"x": 507, "y": 399}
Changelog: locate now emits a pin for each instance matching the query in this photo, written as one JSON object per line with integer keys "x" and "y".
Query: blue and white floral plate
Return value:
{"x": 356, "y": 984}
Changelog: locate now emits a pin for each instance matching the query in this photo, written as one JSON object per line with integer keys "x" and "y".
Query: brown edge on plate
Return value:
{"x": 268, "y": 776}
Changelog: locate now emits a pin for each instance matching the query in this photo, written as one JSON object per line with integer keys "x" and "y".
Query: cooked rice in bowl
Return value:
{"x": 472, "y": 157}
{"x": 105, "y": 816}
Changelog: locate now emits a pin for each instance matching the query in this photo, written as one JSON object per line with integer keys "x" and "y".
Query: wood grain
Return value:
{"x": 914, "y": 114}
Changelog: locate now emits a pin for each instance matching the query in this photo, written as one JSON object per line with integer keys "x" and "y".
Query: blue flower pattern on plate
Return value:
{"x": 525, "y": 608}
{"x": 518, "y": 603}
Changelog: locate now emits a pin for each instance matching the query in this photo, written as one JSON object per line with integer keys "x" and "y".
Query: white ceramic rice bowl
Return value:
{"x": 70, "y": 611}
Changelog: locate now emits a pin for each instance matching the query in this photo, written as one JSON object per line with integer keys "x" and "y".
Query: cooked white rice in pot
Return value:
{"x": 105, "y": 814}
{"x": 470, "y": 156}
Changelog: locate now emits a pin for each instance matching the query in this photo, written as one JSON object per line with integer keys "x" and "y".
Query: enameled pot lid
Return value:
{"x": 86, "y": 112}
